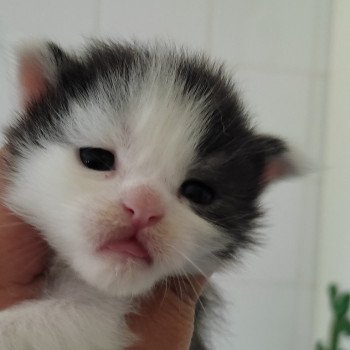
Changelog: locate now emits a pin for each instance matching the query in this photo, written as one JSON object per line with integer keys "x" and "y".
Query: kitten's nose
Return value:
{"x": 144, "y": 207}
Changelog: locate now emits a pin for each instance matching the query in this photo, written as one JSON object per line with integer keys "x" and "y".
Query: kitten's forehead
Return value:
{"x": 166, "y": 126}
{"x": 160, "y": 110}
{"x": 156, "y": 128}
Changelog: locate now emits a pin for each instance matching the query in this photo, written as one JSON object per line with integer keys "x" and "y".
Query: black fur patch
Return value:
{"x": 231, "y": 156}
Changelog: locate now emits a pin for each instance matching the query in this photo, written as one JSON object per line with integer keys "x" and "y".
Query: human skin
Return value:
{"x": 23, "y": 257}
{"x": 164, "y": 319}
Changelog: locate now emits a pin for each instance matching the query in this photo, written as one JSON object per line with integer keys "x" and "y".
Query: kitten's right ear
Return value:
{"x": 38, "y": 68}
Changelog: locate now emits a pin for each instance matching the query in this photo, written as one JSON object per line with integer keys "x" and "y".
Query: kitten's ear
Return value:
{"x": 277, "y": 162}
{"x": 38, "y": 68}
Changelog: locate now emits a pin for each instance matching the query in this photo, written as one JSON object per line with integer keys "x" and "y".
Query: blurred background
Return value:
{"x": 290, "y": 60}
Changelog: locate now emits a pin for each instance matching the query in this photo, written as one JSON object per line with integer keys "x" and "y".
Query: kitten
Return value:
{"x": 136, "y": 163}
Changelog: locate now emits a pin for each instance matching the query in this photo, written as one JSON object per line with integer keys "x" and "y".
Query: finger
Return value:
{"x": 23, "y": 253}
{"x": 17, "y": 293}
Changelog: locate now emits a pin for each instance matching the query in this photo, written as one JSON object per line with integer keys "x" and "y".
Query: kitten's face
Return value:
{"x": 136, "y": 165}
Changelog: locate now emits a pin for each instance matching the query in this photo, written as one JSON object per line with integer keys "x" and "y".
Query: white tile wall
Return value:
{"x": 277, "y": 50}
{"x": 277, "y": 99}
{"x": 250, "y": 328}
{"x": 183, "y": 20}
{"x": 274, "y": 33}
{"x": 269, "y": 263}
{"x": 62, "y": 20}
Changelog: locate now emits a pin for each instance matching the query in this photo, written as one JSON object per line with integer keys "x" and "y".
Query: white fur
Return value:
{"x": 76, "y": 209}
{"x": 74, "y": 316}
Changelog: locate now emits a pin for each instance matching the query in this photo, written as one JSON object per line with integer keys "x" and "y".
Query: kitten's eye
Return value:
{"x": 97, "y": 158}
{"x": 197, "y": 192}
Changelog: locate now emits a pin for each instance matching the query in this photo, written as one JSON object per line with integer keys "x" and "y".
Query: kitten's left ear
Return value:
{"x": 38, "y": 69}
{"x": 277, "y": 162}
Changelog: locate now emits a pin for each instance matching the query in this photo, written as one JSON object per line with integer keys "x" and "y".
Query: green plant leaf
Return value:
{"x": 342, "y": 305}
{"x": 333, "y": 291}
{"x": 345, "y": 326}
{"x": 319, "y": 346}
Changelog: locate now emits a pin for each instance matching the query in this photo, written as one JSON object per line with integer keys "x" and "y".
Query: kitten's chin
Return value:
{"x": 121, "y": 279}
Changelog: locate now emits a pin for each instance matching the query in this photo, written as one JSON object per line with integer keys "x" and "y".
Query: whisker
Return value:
{"x": 13, "y": 224}
{"x": 23, "y": 258}
{"x": 31, "y": 244}
{"x": 210, "y": 254}
{"x": 178, "y": 280}
{"x": 192, "y": 263}
{"x": 9, "y": 212}
{"x": 165, "y": 291}
{"x": 195, "y": 292}
{"x": 26, "y": 251}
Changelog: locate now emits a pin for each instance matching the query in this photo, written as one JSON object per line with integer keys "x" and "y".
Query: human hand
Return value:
{"x": 23, "y": 257}
{"x": 165, "y": 319}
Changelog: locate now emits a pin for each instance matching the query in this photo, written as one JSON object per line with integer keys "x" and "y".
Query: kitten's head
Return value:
{"x": 136, "y": 163}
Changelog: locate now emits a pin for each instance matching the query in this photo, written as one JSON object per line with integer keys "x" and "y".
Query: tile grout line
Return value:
{"x": 324, "y": 138}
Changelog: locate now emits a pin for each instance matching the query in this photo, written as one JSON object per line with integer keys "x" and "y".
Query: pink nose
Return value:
{"x": 143, "y": 206}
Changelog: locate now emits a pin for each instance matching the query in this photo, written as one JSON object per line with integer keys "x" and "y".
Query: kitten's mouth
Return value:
{"x": 129, "y": 248}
